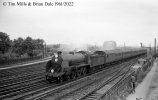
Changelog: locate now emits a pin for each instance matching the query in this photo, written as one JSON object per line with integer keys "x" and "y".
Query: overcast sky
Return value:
{"x": 87, "y": 21}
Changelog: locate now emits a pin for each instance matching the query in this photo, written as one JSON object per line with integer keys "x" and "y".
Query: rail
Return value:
{"x": 120, "y": 88}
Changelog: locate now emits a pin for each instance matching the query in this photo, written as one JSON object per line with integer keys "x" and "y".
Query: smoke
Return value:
{"x": 72, "y": 47}
{"x": 107, "y": 45}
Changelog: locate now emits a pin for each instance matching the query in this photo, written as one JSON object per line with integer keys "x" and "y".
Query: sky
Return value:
{"x": 127, "y": 22}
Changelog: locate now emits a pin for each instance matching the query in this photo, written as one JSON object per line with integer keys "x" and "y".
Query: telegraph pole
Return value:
{"x": 45, "y": 49}
{"x": 155, "y": 47}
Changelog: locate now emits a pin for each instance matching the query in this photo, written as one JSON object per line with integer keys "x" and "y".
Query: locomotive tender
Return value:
{"x": 70, "y": 66}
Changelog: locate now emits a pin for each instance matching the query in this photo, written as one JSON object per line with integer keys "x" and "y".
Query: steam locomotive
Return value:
{"x": 71, "y": 66}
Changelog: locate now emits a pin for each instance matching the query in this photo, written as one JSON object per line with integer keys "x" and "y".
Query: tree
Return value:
{"x": 39, "y": 43}
{"x": 39, "y": 46}
{"x": 5, "y": 42}
{"x": 28, "y": 46}
{"x": 17, "y": 46}
{"x": 20, "y": 46}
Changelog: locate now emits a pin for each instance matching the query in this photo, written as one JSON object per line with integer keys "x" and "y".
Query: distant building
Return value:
{"x": 109, "y": 45}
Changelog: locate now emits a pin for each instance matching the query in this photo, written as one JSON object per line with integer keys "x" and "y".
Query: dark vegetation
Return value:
{"x": 20, "y": 48}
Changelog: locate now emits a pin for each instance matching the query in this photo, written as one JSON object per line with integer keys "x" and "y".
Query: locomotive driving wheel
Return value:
{"x": 79, "y": 73}
{"x": 84, "y": 71}
{"x": 73, "y": 75}
{"x": 68, "y": 77}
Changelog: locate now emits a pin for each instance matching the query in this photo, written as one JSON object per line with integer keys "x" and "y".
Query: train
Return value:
{"x": 72, "y": 65}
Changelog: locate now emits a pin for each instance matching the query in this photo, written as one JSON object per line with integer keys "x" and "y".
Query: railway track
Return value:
{"x": 22, "y": 78}
{"x": 16, "y": 78}
{"x": 85, "y": 88}
{"x": 10, "y": 85}
{"x": 20, "y": 69}
{"x": 19, "y": 75}
{"x": 99, "y": 91}
{"x": 22, "y": 86}
{"x": 66, "y": 89}
{"x": 17, "y": 83}
{"x": 34, "y": 86}
{"x": 14, "y": 72}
